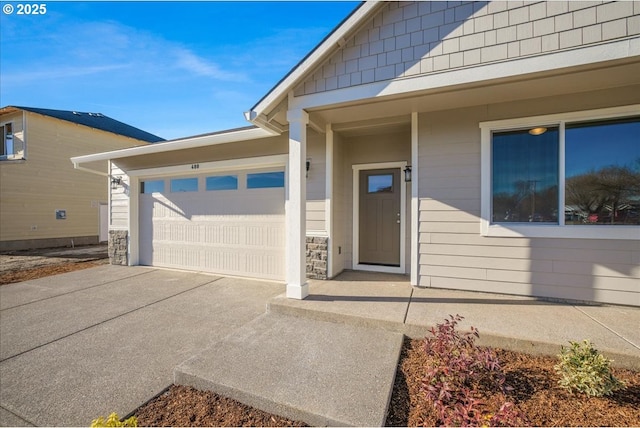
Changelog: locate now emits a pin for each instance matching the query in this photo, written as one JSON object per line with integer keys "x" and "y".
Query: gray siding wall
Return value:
{"x": 452, "y": 252}
{"x": 415, "y": 38}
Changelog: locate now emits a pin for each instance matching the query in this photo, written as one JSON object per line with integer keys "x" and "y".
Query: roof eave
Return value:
{"x": 334, "y": 40}
{"x": 182, "y": 144}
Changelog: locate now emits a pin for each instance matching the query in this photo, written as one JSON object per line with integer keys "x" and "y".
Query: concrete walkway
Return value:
{"x": 331, "y": 358}
{"x": 80, "y": 345}
{"x": 84, "y": 344}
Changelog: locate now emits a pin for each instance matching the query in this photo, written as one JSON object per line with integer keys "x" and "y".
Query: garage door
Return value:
{"x": 230, "y": 223}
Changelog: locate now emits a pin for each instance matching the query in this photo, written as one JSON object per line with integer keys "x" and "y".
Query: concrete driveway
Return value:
{"x": 87, "y": 343}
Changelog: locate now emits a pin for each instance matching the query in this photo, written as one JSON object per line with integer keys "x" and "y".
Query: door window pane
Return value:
{"x": 382, "y": 183}
{"x": 152, "y": 186}
{"x": 263, "y": 180}
{"x": 184, "y": 185}
{"x": 222, "y": 182}
{"x": 602, "y": 172}
{"x": 525, "y": 176}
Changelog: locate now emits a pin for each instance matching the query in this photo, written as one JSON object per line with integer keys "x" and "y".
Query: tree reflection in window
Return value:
{"x": 602, "y": 173}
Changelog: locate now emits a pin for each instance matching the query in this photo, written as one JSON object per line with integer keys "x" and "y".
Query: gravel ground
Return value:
{"x": 29, "y": 259}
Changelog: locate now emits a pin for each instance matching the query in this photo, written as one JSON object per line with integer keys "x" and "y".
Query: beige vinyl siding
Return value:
{"x": 119, "y": 204}
{"x": 408, "y": 39}
{"x": 452, "y": 252}
{"x": 33, "y": 189}
{"x": 366, "y": 149}
{"x": 316, "y": 194}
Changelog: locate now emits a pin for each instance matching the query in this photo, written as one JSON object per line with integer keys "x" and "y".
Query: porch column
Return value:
{"x": 296, "y": 206}
{"x": 415, "y": 202}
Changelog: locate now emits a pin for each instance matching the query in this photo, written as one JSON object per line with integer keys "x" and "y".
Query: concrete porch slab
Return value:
{"x": 319, "y": 372}
{"x": 528, "y": 324}
{"x": 359, "y": 298}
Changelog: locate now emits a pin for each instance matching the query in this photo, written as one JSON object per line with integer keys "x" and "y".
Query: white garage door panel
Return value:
{"x": 237, "y": 232}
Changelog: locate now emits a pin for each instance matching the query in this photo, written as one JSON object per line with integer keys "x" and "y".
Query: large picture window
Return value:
{"x": 576, "y": 175}
{"x": 602, "y": 172}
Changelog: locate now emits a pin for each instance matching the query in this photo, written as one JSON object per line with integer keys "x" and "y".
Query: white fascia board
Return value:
{"x": 335, "y": 39}
{"x": 213, "y": 166}
{"x": 187, "y": 143}
{"x": 620, "y": 49}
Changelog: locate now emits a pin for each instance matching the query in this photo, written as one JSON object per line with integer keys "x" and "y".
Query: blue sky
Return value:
{"x": 171, "y": 68}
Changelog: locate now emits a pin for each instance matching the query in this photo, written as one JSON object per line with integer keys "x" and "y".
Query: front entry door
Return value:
{"x": 379, "y": 217}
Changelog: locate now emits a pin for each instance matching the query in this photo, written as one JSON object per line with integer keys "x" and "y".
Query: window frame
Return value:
{"x": 5, "y": 155}
{"x": 560, "y": 230}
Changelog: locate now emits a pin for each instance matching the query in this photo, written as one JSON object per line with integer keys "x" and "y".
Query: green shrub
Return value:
{"x": 584, "y": 369}
{"x": 114, "y": 421}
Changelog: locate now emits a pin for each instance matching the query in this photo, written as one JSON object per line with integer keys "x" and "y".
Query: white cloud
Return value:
{"x": 189, "y": 61}
{"x": 113, "y": 49}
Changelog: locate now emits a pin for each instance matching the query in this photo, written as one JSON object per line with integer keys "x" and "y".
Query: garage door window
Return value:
{"x": 222, "y": 182}
{"x": 153, "y": 186}
{"x": 184, "y": 185}
{"x": 264, "y": 180}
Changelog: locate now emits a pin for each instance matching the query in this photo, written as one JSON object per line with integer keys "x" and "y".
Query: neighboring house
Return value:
{"x": 518, "y": 123}
{"x": 44, "y": 202}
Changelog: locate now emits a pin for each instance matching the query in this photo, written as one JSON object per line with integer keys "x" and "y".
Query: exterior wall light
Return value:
{"x": 538, "y": 131}
{"x": 407, "y": 174}
{"x": 308, "y": 166}
{"x": 115, "y": 182}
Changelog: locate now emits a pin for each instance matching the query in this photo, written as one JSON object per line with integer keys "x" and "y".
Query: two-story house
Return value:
{"x": 44, "y": 201}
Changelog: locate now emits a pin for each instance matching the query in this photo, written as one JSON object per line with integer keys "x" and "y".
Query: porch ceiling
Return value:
{"x": 393, "y": 111}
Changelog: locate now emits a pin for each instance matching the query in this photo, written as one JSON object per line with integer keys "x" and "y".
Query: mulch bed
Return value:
{"x": 183, "y": 406}
{"x": 536, "y": 393}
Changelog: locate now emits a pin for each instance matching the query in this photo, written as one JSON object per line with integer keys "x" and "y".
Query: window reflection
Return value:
{"x": 222, "y": 182}
{"x": 264, "y": 180}
{"x": 602, "y": 172}
{"x": 184, "y": 185}
{"x": 152, "y": 186}
{"x": 525, "y": 176}
{"x": 380, "y": 183}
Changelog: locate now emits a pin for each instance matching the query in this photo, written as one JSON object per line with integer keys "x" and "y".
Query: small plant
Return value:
{"x": 584, "y": 369}
{"x": 457, "y": 369}
{"x": 114, "y": 421}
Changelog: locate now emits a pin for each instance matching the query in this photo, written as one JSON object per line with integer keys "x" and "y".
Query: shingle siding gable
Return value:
{"x": 414, "y": 38}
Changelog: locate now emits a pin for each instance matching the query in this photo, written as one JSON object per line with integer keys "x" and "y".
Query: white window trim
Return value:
{"x": 546, "y": 230}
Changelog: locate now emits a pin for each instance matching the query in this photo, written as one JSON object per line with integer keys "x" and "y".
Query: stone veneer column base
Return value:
{"x": 317, "y": 251}
{"x": 118, "y": 247}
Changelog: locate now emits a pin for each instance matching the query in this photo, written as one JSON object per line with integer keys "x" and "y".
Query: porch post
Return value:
{"x": 415, "y": 202}
{"x": 296, "y": 206}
